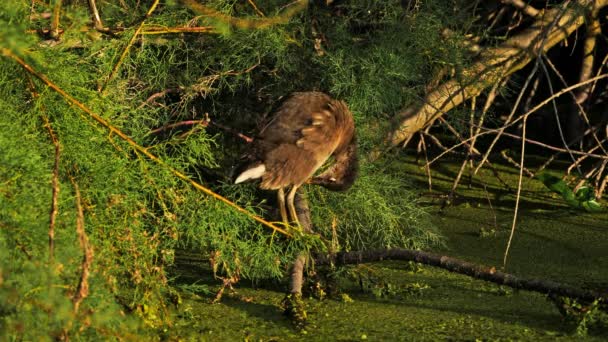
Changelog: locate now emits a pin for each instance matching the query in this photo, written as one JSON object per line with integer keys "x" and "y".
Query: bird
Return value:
{"x": 305, "y": 131}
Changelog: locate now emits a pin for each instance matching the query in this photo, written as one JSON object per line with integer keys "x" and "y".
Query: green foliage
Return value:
{"x": 583, "y": 198}
{"x": 376, "y": 55}
{"x": 379, "y": 211}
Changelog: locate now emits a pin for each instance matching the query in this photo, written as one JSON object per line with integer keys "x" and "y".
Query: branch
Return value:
{"x": 522, "y": 6}
{"x": 463, "y": 267}
{"x": 493, "y": 64}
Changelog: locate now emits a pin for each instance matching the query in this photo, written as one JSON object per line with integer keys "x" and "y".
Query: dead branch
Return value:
{"x": 593, "y": 31}
{"x": 493, "y": 64}
{"x": 522, "y": 6}
{"x": 463, "y": 267}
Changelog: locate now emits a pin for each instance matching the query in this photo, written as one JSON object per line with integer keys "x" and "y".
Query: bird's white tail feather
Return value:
{"x": 252, "y": 173}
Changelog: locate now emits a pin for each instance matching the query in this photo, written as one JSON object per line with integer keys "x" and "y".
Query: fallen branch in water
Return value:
{"x": 463, "y": 267}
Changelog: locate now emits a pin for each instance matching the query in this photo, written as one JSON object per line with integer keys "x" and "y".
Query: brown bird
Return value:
{"x": 305, "y": 131}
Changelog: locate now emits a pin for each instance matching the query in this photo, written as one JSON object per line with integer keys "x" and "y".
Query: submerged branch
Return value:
{"x": 463, "y": 267}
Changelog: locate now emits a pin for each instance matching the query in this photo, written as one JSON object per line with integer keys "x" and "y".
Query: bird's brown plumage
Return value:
{"x": 305, "y": 131}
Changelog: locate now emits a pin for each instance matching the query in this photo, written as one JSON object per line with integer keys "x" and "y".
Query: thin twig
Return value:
{"x": 508, "y": 158}
{"x": 138, "y": 147}
{"x": 203, "y": 123}
{"x": 426, "y": 159}
{"x": 522, "y": 6}
{"x": 238, "y": 134}
{"x": 528, "y": 113}
{"x": 521, "y": 176}
{"x": 255, "y": 8}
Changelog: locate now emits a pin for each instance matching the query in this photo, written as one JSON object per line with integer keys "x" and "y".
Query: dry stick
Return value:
{"x": 582, "y": 158}
{"x": 598, "y": 179}
{"x": 485, "y": 190}
{"x": 532, "y": 93}
{"x": 587, "y": 175}
{"x": 602, "y": 187}
{"x": 522, "y": 6}
{"x": 576, "y": 98}
{"x": 426, "y": 159}
{"x": 521, "y": 176}
{"x": 55, "y": 20}
{"x": 238, "y": 134}
{"x": 82, "y": 291}
{"x": 125, "y": 51}
{"x": 489, "y": 101}
{"x": 455, "y": 132}
{"x": 516, "y": 164}
{"x": 508, "y": 120}
{"x": 463, "y": 267}
{"x": 255, "y": 8}
{"x": 599, "y": 71}
{"x": 95, "y": 14}
{"x": 471, "y": 147}
{"x": 593, "y": 31}
{"x": 553, "y": 148}
{"x": 137, "y": 147}
{"x": 556, "y": 112}
{"x": 159, "y": 94}
{"x": 528, "y": 113}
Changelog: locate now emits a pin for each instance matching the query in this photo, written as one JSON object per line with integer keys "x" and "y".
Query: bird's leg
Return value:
{"x": 292, "y": 209}
{"x": 281, "y": 199}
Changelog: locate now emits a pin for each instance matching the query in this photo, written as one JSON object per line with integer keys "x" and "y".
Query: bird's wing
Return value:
{"x": 320, "y": 132}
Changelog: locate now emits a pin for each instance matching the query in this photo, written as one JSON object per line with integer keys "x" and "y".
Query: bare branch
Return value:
{"x": 493, "y": 65}
{"x": 522, "y": 6}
